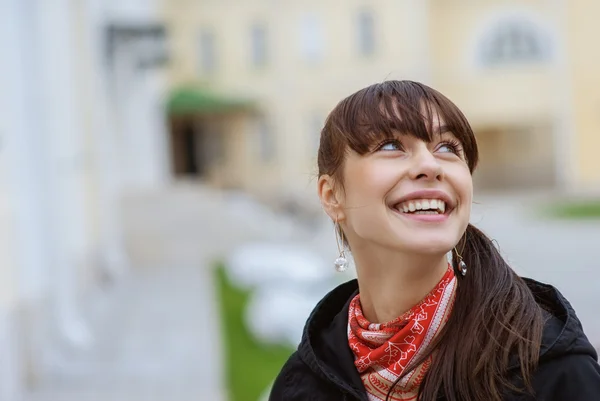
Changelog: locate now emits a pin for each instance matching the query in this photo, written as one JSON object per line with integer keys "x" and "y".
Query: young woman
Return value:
{"x": 395, "y": 164}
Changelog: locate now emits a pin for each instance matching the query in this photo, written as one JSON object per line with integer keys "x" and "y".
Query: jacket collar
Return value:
{"x": 326, "y": 334}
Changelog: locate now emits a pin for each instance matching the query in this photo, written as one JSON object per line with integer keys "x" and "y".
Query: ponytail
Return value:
{"x": 495, "y": 324}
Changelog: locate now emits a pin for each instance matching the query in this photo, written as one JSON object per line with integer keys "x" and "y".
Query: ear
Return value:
{"x": 330, "y": 198}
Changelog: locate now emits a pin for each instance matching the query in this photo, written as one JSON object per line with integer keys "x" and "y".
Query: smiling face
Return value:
{"x": 408, "y": 194}
{"x": 400, "y": 157}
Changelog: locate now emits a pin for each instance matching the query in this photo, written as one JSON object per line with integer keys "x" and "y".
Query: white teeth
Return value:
{"x": 433, "y": 205}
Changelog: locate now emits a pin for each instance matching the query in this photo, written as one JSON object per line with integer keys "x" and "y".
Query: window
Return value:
{"x": 311, "y": 38}
{"x": 514, "y": 41}
{"x": 265, "y": 141}
{"x": 208, "y": 62}
{"x": 258, "y": 45}
{"x": 366, "y": 33}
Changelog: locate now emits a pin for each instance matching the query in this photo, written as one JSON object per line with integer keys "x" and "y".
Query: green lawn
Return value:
{"x": 250, "y": 366}
{"x": 581, "y": 209}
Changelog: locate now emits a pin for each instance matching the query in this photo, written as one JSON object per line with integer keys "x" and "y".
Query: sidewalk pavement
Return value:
{"x": 159, "y": 342}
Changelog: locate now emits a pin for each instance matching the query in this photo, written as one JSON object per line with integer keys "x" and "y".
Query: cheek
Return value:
{"x": 469, "y": 186}
{"x": 464, "y": 187}
{"x": 366, "y": 186}
{"x": 371, "y": 180}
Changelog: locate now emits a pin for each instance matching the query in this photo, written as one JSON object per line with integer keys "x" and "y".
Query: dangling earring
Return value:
{"x": 341, "y": 263}
{"x": 462, "y": 266}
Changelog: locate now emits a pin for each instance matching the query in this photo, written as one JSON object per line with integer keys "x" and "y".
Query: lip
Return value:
{"x": 425, "y": 218}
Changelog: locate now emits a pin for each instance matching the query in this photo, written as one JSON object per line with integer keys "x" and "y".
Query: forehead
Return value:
{"x": 433, "y": 118}
{"x": 437, "y": 120}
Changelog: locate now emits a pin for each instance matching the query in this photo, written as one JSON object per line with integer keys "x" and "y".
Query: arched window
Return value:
{"x": 513, "y": 40}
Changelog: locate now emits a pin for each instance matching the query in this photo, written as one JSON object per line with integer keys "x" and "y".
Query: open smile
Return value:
{"x": 426, "y": 210}
{"x": 427, "y": 206}
{"x": 422, "y": 206}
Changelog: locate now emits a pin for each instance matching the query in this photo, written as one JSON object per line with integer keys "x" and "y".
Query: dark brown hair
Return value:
{"x": 495, "y": 321}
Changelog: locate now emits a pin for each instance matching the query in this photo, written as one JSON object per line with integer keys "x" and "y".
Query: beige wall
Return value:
{"x": 515, "y": 157}
{"x": 512, "y": 108}
{"x": 584, "y": 54}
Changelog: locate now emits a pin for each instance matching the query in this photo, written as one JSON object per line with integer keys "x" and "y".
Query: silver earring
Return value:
{"x": 462, "y": 266}
{"x": 341, "y": 263}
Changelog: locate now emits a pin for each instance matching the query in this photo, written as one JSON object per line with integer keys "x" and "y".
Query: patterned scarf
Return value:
{"x": 383, "y": 350}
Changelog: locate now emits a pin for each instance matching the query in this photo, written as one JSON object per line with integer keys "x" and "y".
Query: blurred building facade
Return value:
{"x": 81, "y": 120}
{"x": 523, "y": 73}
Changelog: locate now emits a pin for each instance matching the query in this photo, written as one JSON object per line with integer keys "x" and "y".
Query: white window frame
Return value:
{"x": 366, "y": 41}
{"x": 529, "y": 23}
{"x": 207, "y": 51}
{"x": 259, "y": 45}
{"x": 312, "y": 38}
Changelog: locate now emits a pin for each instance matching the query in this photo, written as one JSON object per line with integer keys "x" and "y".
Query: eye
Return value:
{"x": 391, "y": 145}
{"x": 450, "y": 147}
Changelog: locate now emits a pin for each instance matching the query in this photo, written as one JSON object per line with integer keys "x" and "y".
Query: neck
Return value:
{"x": 392, "y": 282}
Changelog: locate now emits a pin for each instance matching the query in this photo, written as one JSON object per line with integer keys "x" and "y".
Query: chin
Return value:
{"x": 428, "y": 246}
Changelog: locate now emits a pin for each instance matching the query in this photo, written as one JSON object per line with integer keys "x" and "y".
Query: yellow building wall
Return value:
{"x": 488, "y": 96}
{"x": 584, "y": 56}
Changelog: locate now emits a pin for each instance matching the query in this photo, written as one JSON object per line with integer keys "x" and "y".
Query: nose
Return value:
{"x": 425, "y": 166}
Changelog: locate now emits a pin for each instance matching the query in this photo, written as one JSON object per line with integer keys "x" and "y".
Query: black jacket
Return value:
{"x": 322, "y": 369}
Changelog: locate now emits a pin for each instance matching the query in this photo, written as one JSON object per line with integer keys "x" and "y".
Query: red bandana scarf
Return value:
{"x": 382, "y": 351}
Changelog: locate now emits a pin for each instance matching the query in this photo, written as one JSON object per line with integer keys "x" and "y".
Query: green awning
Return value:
{"x": 190, "y": 100}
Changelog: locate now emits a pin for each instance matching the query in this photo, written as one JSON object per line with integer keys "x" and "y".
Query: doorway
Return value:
{"x": 187, "y": 142}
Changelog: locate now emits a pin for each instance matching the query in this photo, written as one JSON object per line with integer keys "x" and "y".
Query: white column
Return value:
{"x": 104, "y": 143}
{"x": 22, "y": 147}
{"x": 155, "y": 163}
{"x": 61, "y": 135}
{"x": 11, "y": 380}
{"x": 23, "y": 215}
{"x": 142, "y": 128}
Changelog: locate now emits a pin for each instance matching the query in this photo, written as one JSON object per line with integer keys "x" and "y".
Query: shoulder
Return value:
{"x": 296, "y": 381}
{"x": 567, "y": 367}
{"x": 574, "y": 377}
{"x": 314, "y": 371}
